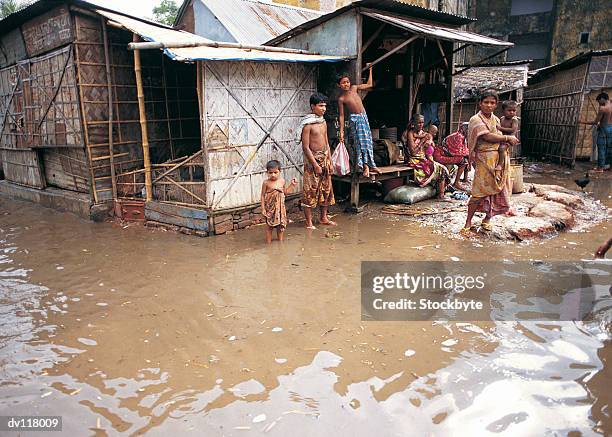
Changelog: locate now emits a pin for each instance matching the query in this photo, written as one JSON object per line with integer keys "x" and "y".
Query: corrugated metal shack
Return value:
{"x": 192, "y": 126}
{"x": 412, "y": 50}
{"x": 560, "y": 96}
{"x": 240, "y": 21}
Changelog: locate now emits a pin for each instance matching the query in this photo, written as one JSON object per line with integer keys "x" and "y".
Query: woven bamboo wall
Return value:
{"x": 40, "y": 112}
{"x": 550, "y": 115}
{"x": 170, "y": 107}
{"x": 241, "y": 99}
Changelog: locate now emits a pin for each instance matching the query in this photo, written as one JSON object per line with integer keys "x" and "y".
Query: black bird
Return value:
{"x": 583, "y": 182}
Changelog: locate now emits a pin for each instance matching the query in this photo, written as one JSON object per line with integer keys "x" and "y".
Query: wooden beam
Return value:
{"x": 482, "y": 60}
{"x": 187, "y": 44}
{"x": 449, "y": 90}
{"x": 143, "y": 124}
{"x": 442, "y": 52}
{"x": 83, "y": 114}
{"x": 390, "y": 52}
{"x": 177, "y": 165}
{"x": 373, "y": 37}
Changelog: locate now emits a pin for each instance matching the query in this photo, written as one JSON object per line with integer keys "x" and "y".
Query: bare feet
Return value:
{"x": 467, "y": 231}
{"x": 310, "y": 227}
{"x": 328, "y": 222}
{"x": 376, "y": 170}
{"x": 366, "y": 171}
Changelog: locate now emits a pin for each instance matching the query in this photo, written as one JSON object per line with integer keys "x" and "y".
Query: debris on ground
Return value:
{"x": 541, "y": 211}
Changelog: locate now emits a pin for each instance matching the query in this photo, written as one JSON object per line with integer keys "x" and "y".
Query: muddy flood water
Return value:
{"x": 130, "y": 331}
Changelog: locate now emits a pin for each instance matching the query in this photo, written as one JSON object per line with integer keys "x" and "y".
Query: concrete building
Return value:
{"x": 546, "y": 31}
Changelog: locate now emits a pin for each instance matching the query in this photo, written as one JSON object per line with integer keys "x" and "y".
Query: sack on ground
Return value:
{"x": 409, "y": 194}
{"x": 340, "y": 160}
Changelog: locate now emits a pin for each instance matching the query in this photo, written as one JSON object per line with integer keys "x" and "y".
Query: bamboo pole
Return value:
{"x": 165, "y": 84}
{"x": 84, "y": 114}
{"x": 187, "y": 44}
{"x": 109, "y": 87}
{"x": 143, "y": 124}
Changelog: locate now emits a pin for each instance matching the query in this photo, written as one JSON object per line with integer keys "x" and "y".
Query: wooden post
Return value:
{"x": 109, "y": 86}
{"x": 165, "y": 85}
{"x": 143, "y": 124}
{"x": 449, "y": 83}
{"x": 411, "y": 79}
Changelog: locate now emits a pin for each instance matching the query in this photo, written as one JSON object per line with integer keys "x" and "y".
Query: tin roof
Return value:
{"x": 392, "y": 6}
{"x": 255, "y": 21}
{"x": 154, "y": 33}
{"x": 437, "y": 31}
{"x": 501, "y": 78}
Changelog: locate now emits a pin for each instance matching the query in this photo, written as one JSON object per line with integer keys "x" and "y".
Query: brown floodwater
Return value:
{"x": 125, "y": 330}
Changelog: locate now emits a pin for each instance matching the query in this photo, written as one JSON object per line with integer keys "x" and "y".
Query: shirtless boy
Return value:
{"x": 318, "y": 168}
{"x": 360, "y": 126}
{"x": 604, "y": 133}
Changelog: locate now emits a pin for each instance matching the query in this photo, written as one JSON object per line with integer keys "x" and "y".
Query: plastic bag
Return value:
{"x": 340, "y": 160}
{"x": 410, "y": 194}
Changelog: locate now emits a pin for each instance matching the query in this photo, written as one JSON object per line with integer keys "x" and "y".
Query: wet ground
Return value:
{"x": 124, "y": 330}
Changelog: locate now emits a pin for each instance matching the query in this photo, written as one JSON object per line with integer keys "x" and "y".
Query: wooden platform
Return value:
{"x": 387, "y": 172}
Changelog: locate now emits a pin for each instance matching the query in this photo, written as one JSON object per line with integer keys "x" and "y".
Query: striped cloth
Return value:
{"x": 360, "y": 130}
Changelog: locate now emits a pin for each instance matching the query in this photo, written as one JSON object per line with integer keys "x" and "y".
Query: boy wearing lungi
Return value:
{"x": 360, "y": 126}
{"x": 604, "y": 133}
{"x": 317, "y": 162}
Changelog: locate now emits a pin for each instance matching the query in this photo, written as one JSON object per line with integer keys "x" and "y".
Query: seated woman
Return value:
{"x": 444, "y": 155}
{"x": 426, "y": 170}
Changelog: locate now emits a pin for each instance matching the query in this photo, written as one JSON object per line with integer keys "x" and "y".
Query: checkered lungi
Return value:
{"x": 360, "y": 130}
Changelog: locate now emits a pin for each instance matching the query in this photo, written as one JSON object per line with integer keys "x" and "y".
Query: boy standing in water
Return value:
{"x": 318, "y": 167}
{"x": 273, "y": 191}
{"x": 360, "y": 126}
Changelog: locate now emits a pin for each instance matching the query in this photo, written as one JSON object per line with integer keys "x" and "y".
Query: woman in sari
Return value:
{"x": 426, "y": 170}
{"x": 490, "y": 191}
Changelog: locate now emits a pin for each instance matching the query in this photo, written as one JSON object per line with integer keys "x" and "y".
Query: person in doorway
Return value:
{"x": 318, "y": 167}
{"x": 350, "y": 101}
{"x": 273, "y": 191}
{"x": 426, "y": 170}
{"x": 604, "y": 133}
{"x": 490, "y": 194}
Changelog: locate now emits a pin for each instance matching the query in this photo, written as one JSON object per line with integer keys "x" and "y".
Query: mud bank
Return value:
{"x": 543, "y": 211}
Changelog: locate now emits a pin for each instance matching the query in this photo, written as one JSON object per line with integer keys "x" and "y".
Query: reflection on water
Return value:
{"x": 128, "y": 331}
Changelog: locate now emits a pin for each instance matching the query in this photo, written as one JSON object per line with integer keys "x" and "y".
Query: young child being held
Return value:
{"x": 509, "y": 126}
{"x": 273, "y": 192}
{"x": 431, "y": 141}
